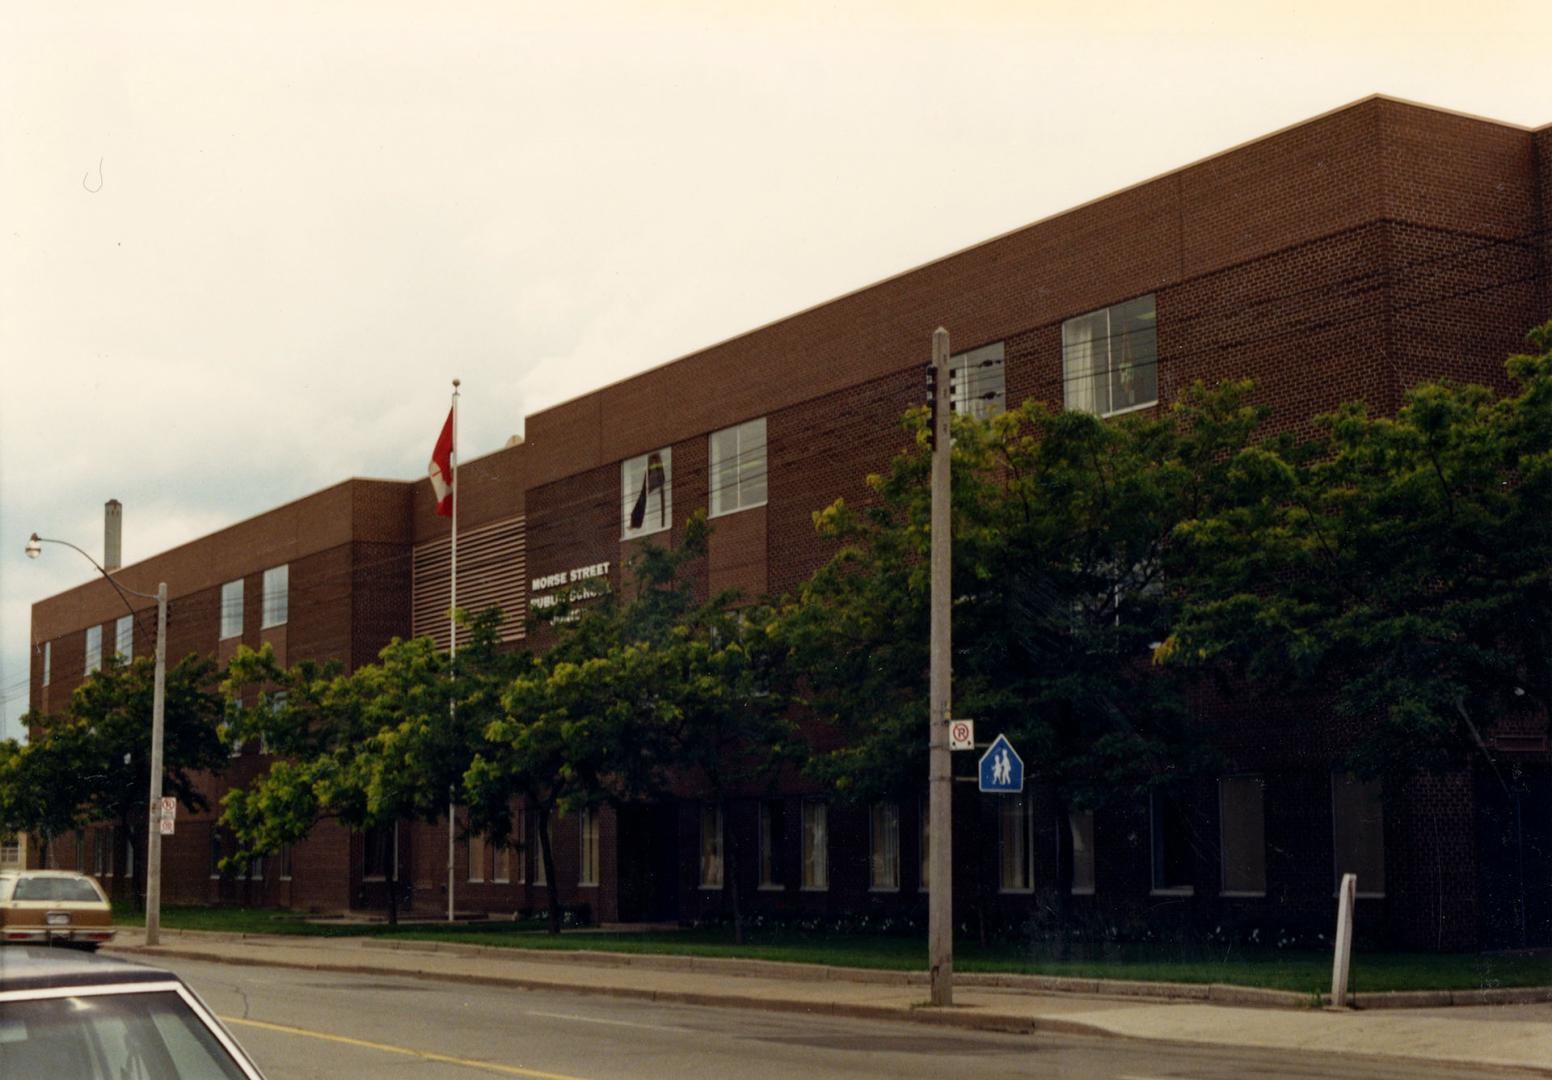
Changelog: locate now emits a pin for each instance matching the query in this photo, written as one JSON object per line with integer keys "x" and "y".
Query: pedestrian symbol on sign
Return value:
{"x": 1002, "y": 770}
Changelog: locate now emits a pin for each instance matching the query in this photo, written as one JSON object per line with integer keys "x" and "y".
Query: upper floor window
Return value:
{"x": 277, "y": 596}
{"x": 232, "y": 609}
{"x": 124, "y": 637}
{"x": 647, "y": 494}
{"x": 48, "y": 661}
{"x": 1110, "y": 358}
{"x": 738, "y": 467}
{"x": 93, "y": 648}
{"x": 977, "y": 381}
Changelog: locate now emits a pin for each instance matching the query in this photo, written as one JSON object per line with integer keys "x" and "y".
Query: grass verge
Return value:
{"x": 1302, "y": 971}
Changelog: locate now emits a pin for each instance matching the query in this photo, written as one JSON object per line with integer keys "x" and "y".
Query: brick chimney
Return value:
{"x": 113, "y": 535}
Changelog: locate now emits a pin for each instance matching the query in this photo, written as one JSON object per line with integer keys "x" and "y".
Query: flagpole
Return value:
{"x": 452, "y": 648}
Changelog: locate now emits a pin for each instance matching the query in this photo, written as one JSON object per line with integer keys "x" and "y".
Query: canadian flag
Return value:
{"x": 441, "y": 469}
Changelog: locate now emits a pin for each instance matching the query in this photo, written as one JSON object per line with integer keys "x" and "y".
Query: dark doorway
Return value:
{"x": 1514, "y": 845}
{"x": 649, "y": 863}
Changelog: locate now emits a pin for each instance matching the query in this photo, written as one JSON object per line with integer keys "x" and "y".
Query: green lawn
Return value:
{"x": 1302, "y": 971}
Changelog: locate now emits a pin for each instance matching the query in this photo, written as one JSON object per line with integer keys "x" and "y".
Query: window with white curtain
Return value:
{"x": 978, "y": 381}
{"x": 93, "y": 648}
{"x": 711, "y": 846}
{"x": 232, "y": 609}
{"x": 816, "y": 845}
{"x": 884, "y": 845}
{"x": 1110, "y": 358}
{"x": 277, "y": 596}
{"x": 1013, "y": 845}
{"x": 738, "y": 467}
{"x": 124, "y": 638}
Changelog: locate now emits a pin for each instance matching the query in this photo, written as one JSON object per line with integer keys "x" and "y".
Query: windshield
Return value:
{"x": 56, "y": 888}
{"x": 110, "y": 1037}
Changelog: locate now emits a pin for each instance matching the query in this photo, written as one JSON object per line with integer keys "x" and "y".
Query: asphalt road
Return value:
{"x": 328, "y": 1026}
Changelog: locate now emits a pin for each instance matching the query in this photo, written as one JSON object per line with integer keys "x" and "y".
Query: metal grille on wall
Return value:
{"x": 492, "y": 572}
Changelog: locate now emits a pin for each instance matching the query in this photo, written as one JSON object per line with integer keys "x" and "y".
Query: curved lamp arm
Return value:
{"x": 35, "y": 548}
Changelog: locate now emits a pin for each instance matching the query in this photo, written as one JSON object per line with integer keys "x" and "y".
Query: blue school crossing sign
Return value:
{"x": 1002, "y": 770}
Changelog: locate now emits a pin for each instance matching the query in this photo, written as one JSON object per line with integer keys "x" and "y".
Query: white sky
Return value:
{"x": 309, "y": 221}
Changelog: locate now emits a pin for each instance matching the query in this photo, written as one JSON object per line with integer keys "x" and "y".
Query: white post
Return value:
{"x": 153, "y": 923}
{"x": 452, "y": 646}
{"x": 940, "y": 894}
{"x": 1341, "y": 962}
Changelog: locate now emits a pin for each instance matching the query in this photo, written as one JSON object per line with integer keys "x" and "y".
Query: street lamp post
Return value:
{"x": 153, "y": 923}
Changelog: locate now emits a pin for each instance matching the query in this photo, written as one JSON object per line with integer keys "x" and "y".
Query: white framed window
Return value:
{"x": 770, "y": 843}
{"x": 1080, "y": 826}
{"x": 924, "y": 842}
{"x": 124, "y": 638}
{"x": 738, "y": 467}
{"x": 48, "y": 661}
{"x": 1170, "y": 828}
{"x": 587, "y": 850}
{"x": 1014, "y": 852}
{"x": 93, "y": 648}
{"x": 711, "y": 846}
{"x": 1110, "y": 358}
{"x": 978, "y": 382}
{"x": 1242, "y": 835}
{"x": 884, "y": 847}
{"x": 477, "y": 848}
{"x": 1358, "y": 832}
{"x": 646, "y": 494}
{"x": 277, "y": 596}
{"x": 10, "y": 851}
{"x": 816, "y": 845}
{"x": 232, "y": 609}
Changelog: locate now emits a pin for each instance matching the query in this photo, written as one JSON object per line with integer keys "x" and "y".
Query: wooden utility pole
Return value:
{"x": 940, "y": 896}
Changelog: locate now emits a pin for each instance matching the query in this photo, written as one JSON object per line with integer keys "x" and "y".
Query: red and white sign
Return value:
{"x": 169, "y": 815}
{"x": 961, "y": 735}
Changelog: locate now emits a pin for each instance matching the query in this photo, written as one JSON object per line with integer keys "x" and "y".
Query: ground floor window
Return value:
{"x": 924, "y": 843}
{"x": 215, "y": 852}
{"x": 1013, "y": 844}
{"x": 770, "y": 843}
{"x": 102, "y": 852}
{"x": 1171, "y": 834}
{"x": 711, "y": 846}
{"x": 540, "y": 875}
{"x": 377, "y": 854}
{"x": 287, "y": 861}
{"x": 1358, "y": 832}
{"x": 1242, "y": 834}
{"x": 816, "y": 845}
{"x": 587, "y": 847}
{"x": 503, "y": 858}
{"x": 884, "y": 846}
{"x": 1080, "y": 826}
{"x": 520, "y": 845}
{"x": 477, "y": 847}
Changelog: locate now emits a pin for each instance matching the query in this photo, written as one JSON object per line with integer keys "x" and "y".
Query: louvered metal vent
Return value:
{"x": 492, "y": 572}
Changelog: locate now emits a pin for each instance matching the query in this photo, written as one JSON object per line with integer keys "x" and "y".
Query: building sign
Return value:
{"x": 576, "y": 585}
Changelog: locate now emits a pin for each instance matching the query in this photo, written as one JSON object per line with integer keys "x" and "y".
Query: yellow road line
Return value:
{"x": 425, "y": 1055}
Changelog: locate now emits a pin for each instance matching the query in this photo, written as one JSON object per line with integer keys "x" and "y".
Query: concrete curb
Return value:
{"x": 1209, "y": 993}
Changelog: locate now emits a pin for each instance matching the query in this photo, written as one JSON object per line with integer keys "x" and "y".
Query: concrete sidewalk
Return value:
{"x": 1516, "y": 1033}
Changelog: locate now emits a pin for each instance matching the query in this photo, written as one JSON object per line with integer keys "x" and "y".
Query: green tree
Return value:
{"x": 370, "y": 748}
{"x": 1402, "y": 567}
{"x": 96, "y": 755}
{"x": 1063, "y": 561}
